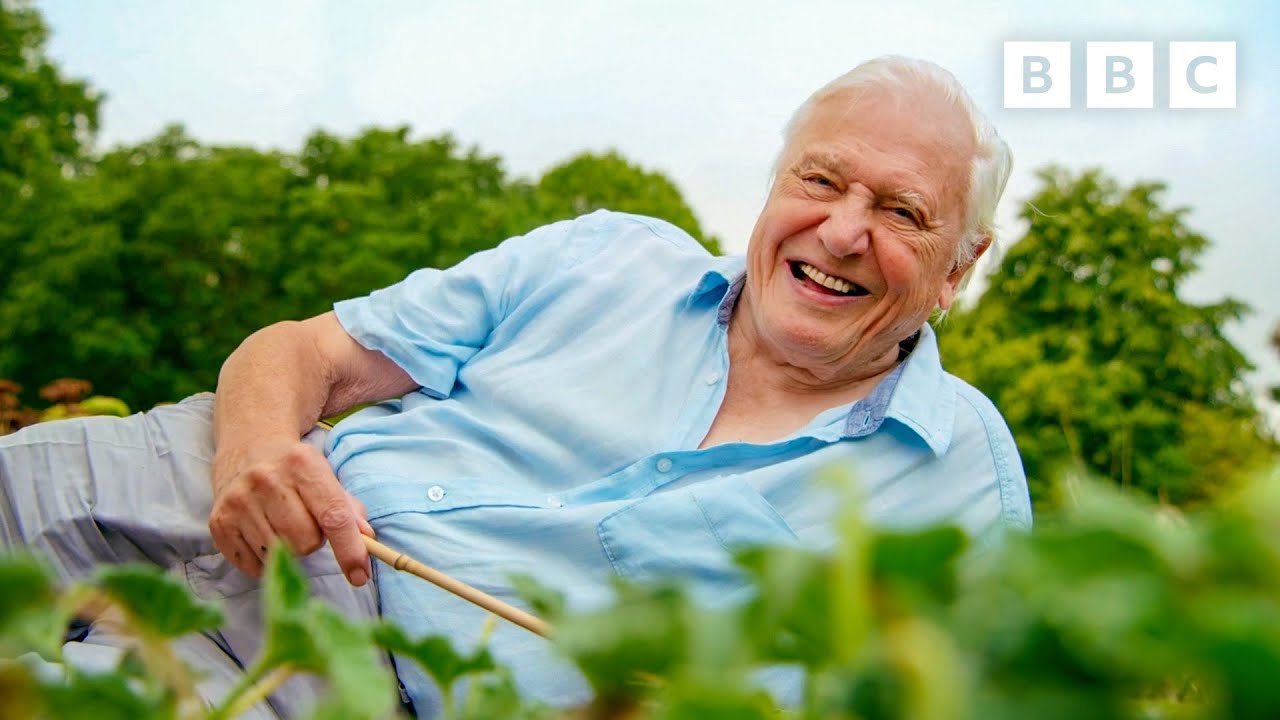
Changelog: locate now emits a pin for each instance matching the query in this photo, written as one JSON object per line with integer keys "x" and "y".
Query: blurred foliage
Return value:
{"x": 1275, "y": 343}
{"x": 67, "y": 400}
{"x": 1112, "y": 608}
{"x": 1084, "y": 344}
{"x": 142, "y": 268}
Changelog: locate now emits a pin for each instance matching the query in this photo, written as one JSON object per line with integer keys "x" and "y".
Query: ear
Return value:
{"x": 955, "y": 279}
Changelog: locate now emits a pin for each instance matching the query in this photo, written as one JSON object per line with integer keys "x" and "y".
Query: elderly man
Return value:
{"x": 599, "y": 396}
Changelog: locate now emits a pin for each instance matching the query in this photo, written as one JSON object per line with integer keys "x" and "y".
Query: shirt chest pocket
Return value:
{"x": 690, "y": 535}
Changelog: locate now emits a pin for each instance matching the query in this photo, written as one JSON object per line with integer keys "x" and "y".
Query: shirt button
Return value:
{"x": 664, "y": 464}
{"x": 713, "y": 378}
{"x": 435, "y": 493}
{"x": 555, "y": 502}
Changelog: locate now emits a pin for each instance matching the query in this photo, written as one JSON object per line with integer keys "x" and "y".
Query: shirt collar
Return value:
{"x": 917, "y": 394}
{"x": 723, "y": 283}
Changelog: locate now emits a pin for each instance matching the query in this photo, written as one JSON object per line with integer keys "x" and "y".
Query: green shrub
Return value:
{"x": 1113, "y": 608}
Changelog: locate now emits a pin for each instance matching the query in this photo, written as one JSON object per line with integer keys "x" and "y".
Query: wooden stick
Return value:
{"x": 403, "y": 562}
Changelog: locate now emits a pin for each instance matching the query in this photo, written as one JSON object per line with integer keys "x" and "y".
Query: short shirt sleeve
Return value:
{"x": 434, "y": 321}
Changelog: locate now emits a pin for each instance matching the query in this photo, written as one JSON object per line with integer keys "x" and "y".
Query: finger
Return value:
{"x": 329, "y": 504}
{"x": 256, "y": 533}
{"x": 244, "y": 557}
{"x": 228, "y": 524}
{"x": 290, "y": 521}
{"x": 362, "y": 515}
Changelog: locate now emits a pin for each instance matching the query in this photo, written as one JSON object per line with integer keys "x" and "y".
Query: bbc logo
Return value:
{"x": 1119, "y": 74}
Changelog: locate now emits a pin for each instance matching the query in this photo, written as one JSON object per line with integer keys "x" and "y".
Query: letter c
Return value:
{"x": 1191, "y": 75}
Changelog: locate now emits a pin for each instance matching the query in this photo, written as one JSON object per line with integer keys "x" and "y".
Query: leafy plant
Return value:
{"x": 1111, "y": 608}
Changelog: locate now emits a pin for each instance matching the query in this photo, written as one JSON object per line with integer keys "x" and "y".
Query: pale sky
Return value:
{"x": 698, "y": 90}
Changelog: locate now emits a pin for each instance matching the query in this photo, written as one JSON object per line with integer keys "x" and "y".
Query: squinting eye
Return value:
{"x": 905, "y": 213}
{"x": 819, "y": 180}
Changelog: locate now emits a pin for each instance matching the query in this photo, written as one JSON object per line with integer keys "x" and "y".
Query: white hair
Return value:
{"x": 992, "y": 160}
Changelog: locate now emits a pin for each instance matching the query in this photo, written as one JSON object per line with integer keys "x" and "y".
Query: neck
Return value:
{"x": 775, "y": 372}
{"x": 759, "y": 378}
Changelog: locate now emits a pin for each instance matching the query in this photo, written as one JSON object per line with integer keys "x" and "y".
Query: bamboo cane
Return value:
{"x": 404, "y": 563}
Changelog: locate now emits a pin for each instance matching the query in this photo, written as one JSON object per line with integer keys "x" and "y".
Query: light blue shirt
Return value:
{"x": 568, "y": 377}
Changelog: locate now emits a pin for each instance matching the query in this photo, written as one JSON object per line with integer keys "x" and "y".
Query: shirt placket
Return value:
{"x": 706, "y": 394}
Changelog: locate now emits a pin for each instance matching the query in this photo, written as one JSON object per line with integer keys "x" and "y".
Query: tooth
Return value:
{"x": 825, "y": 280}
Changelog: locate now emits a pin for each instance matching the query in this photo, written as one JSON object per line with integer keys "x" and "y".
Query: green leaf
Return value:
{"x": 435, "y": 654}
{"x": 546, "y": 603}
{"x": 716, "y": 701}
{"x": 361, "y": 684}
{"x": 646, "y": 633}
{"x": 922, "y": 563}
{"x": 495, "y": 695}
{"x": 24, "y": 584}
{"x": 31, "y": 619}
{"x": 105, "y": 696}
{"x": 789, "y": 619}
{"x": 159, "y": 603}
{"x": 286, "y": 628}
{"x": 285, "y": 587}
{"x": 309, "y": 635}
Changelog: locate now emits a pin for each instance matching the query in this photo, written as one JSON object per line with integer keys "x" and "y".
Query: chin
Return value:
{"x": 807, "y": 341}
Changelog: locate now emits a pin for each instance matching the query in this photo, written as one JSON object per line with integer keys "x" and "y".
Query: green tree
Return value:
{"x": 140, "y": 269}
{"x": 378, "y": 206}
{"x": 44, "y": 117}
{"x": 591, "y": 181}
{"x": 165, "y": 255}
{"x": 170, "y": 252}
{"x": 47, "y": 123}
{"x": 1084, "y": 344}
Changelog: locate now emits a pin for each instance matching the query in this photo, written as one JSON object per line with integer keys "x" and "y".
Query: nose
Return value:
{"x": 847, "y": 228}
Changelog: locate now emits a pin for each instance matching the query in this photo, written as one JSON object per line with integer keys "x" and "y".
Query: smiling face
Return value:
{"x": 857, "y": 242}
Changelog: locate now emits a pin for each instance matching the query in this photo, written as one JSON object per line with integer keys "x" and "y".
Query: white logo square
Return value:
{"x": 1202, "y": 74}
{"x": 1037, "y": 74}
{"x": 1120, "y": 74}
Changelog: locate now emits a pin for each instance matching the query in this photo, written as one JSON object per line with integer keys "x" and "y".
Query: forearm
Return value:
{"x": 274, "y": 387}
{"x": 266, "y": 482}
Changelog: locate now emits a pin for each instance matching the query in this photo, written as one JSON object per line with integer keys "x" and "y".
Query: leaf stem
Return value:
{"x": 257, "y": 692}
{"x": 446, "y": 704}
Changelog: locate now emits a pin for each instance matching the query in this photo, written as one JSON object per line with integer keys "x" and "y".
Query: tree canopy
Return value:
{"x": 1084, "y": 344}
{"x": 141, "y": 268}
{"x": 161, "y": 257}
{"x": 46, "y": 124}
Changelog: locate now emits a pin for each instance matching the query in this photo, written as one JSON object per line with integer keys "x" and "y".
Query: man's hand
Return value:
{"x": 286, "y": 490}
{"x": 266, "y": 482}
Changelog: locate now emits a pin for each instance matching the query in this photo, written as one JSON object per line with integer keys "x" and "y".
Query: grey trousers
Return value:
{"x": 111, "y": 490}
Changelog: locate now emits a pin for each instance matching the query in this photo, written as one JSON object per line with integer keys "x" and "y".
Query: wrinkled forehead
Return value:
{"x": 912, "y": 125}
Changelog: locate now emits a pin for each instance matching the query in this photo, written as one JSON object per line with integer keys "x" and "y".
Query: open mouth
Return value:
{"x": 824, "y": 283}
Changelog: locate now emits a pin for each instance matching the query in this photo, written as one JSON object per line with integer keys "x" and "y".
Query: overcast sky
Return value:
{"x": 698, "y": 90}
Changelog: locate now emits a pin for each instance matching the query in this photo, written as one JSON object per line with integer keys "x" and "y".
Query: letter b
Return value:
{"x": 1124, "y": 72}
{"x": 1120, "y": 75}
{"x": 1037, "y": 74}
{"x": 1036, "y": 68}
